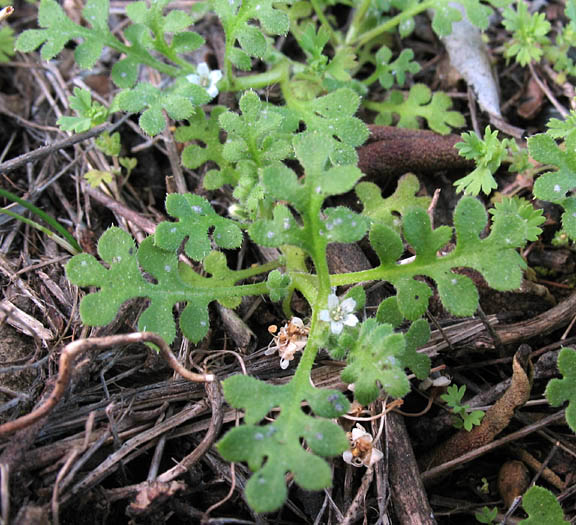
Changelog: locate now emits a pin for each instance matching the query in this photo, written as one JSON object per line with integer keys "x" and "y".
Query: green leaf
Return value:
{"x": 528, "y": 34}
{"x": 88, "y": 52}
{"x": 176, "y": 21}
{"x": 388, "y": 312}
{"x": 90, "y": 113}
{"x": 6, "y": 43}
{"x": 278, "y": 285}
{"x": 274, "y": 449}
{"x": 30, "y": 40}
{"x": 416, "y": 337}
{"x": 124, "y": 280}
{"x": 413, "y": 297}
{"x": 560, "y": 390}
{"x": 386, "y": 243}
{"x": 252, "y": 41}
{"x": 332, "y": 116}
{"x": 240, "y": 59}
{"x": 554, "y": 186}
{"x": 125, "y": 73}
{"x": 420, "y": 102}
{"x": 375, "y": 360}
{"x": 207, "y": 131}
{"x": 97, "y": 177}
{"x": 386, "y": 211}
{"x": 196, "y": 218}
{"x": 486, "y": 515}
{"x": 178, "y": 101}
{"x": 445, "y": 14}
{"x": 488, "y": 155}
{"x": 343, "y": 225}
{"x": 187, "y": 42}
{"x": 513, "y": 223}
{"x": 109, "y": 144}
{"x": 95, "y": 12}
{"x": 542, "y": 507}
{"x": 390, "y": 73}
{"x": 282, "y": 229}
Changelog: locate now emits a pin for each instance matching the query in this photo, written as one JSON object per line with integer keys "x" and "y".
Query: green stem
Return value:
{"x": 242, "y": 290}
{"x": 393, "y": 22}
{"x": 371, "y": 79}
{"x": 258, "y": 270}
{"x": 324, "y": 21}
{"x": 302, "y": 375}
{"x": 359, "y": 15}
{"x": 142, "y": 57}
{"x": 275, "y": 75}
{"x": 48, "y": 219}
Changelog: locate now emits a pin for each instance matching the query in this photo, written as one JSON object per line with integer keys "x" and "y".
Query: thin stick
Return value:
{"x": 73, "y": 350}
{"x": 40, "y": 153}
{"x": 429, "y": 475}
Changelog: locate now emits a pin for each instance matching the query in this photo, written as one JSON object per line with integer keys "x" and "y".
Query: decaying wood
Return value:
{"x": 495, "y": 419}
{"x": 430, "y": 475}
{"x": 409, "y": 498}
{"x": 394, "y": 151}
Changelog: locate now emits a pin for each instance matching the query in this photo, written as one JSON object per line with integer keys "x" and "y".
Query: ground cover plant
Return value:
{"x": 270, "y": 130}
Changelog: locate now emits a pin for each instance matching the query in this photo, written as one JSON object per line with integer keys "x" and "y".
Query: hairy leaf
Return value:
{"x": 274, "y": 449}
{"x": 420, "y": 102}
{"x": 542, "y": 507}
{"x": 560, "y": 390}
{"x": 124, "y": 279}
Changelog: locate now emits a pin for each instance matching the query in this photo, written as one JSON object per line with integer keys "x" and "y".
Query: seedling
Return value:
{"x": 464, "y": 417}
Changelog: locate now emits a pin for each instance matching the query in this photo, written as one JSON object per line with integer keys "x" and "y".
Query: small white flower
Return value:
{"x": 339, "y": 313}
{"x": 361, "y": 450}
{"x": 206, "y": 78}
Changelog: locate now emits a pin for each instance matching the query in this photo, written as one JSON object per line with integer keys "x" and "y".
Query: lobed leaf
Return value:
{"x": 274, "y": 449}
{"x": 560, "y": 390}
{"x": 420, "y": 103}
{"x": 386, "y": 210}
{"x": 542, "y": 507}
{"x": 513, "y": 224}
{"x": 375, "y": 360}
{"x": 196, "y": 218}
{"x": 124, "y": 280}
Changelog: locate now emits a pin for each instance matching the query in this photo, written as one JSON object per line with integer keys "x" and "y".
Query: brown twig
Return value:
{"x": 42, "y": 152}
{"x": 73, "y": 350}
{"x": 350, "y": 516}
{"x": 215, "y": 394}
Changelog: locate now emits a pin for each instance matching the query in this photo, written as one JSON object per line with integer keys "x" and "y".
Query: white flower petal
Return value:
{"x": 358, "y": 431}
{"x": 202, "y": 69}
{"x": 215, "y": 76}
{"x": 333, "y": 302}
{"x": 324, "y": 315}
{"x": 296, "y": 321}
{"x": 347, "y": 457}
{"x": 350, "y": 320}
{"x": 336, "y": 327}
{"x": 193, "y": 79}
{"x": 212, "y": 90}
{"x": 348, "y": 305}
{"x": 375, "y": 457}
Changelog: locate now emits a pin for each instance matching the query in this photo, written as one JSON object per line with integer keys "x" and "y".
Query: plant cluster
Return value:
{"x": 286, "y": 164}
